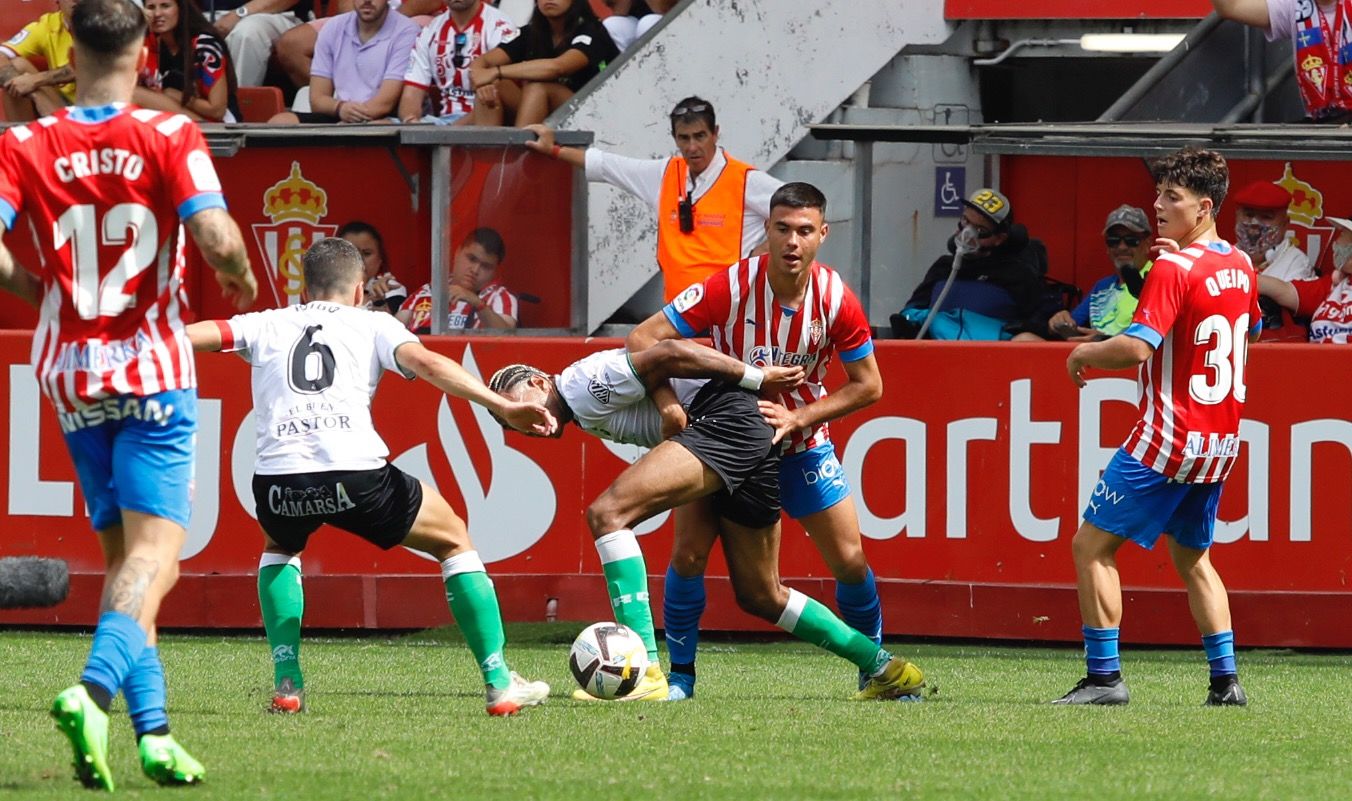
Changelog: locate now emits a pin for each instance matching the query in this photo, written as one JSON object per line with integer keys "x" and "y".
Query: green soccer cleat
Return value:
{"x": 899, "y": 678}
{"x": 81, "y": 720}
{"x": 167, "y": 762}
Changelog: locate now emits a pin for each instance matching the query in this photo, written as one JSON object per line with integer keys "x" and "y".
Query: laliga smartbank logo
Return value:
{"x": 295, "y": 206}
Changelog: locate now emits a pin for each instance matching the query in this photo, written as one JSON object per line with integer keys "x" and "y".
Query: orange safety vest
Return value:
{"x": 716, "y": 242}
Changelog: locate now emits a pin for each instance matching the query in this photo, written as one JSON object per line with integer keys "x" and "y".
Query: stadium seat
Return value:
{"x": 259, "y": 103}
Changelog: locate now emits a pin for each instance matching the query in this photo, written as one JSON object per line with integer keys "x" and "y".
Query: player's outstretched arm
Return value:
{"x": 679, "y": 358}
{"x": 651, "y": 331}
{"x": 1115, "y": 353}
{"x": 449, "y": 377}
{"x": 14, "y": 278}
{"x": 222, "y": 245}
{"x": 204, "y": 335}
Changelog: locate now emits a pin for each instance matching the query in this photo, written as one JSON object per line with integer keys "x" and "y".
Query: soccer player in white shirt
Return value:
{"x": 320, "y": 460}
{"x": 725, "y": 462}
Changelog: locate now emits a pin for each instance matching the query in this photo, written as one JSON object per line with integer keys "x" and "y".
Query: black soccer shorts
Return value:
{"x": 728, "y": 434}
{"x": 377, "y": 505}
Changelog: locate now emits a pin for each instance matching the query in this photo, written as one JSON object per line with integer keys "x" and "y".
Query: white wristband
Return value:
{"x": 752, "y": 377}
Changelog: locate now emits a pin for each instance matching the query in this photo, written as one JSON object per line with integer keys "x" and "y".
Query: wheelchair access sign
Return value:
{"x": 950, "y": 185}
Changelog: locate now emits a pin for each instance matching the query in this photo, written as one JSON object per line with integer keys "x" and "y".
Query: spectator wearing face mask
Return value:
{"x": 1327, "y": 299}
{"x": 995, "y": 292}
{"x": 1261, "y": 231}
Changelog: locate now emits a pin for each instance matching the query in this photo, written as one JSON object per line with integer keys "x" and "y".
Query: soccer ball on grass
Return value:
{"x": 608, "y": 660}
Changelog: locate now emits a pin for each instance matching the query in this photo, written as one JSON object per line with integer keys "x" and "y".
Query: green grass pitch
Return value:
{"x": 402, "y": 717}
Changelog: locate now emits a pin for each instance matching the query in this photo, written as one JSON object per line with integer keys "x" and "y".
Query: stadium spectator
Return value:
{"x": 192, "y": 72}
{"x": 1261, "y": 231}
{"x": 1106, "y": 311}
{"x": 1197, "y": 311}
{"x": 320, "y": 460}
{"x": 107, "y": 342}
{"x": 633, "y": 18}
{"x": 997, "y": 290}
{"x": 359, "y": 66}
{"x": 476, "y": 300}
{"x": 383, "y": 290}
{"x": 251, "y": 26}
{"x": 295, "y": 49}
{"x": 438, "y": 71}
{"x": 562, "y": 47}
{"x": 1326, "y": 299}
{"x": 698, "y": 195}
{"x": 31, "y": 92}
{"x": 1322, "y": 40}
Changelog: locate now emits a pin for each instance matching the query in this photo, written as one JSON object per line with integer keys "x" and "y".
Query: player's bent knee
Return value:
{"x": 605, "y": 516}
{"x": 689, "y": 565}
{"x": 766, "y": 603}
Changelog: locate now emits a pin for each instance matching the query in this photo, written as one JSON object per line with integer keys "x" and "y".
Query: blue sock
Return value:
{"x": 1220, "y": 652}
{"x": 144, "y": 690}
{"x": 1100, "y": 650}
{"x": 861, "y": 608}
{"x": 118, "y": 643}
{"x": 682, "y": 606}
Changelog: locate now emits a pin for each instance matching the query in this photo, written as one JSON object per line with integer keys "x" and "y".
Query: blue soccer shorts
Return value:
{"x": 136, "y": 453}
{"x": 1137, "y": 503}
{"x": 811, "y": 481}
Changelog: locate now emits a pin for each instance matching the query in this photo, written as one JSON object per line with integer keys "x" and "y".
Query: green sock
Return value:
{"x": 813, "y": 623}
{"x": 282, "y": 599}
{"x": 627, "y": 583}
{"x": 474, "y": 602}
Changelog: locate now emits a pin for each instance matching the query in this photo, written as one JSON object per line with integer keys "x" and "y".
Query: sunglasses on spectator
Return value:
{"x": 458, "y": 60}
{"x": 1114, "y": 241}
{"x": 981, "y": 231}
{"x": 697, "y": 108}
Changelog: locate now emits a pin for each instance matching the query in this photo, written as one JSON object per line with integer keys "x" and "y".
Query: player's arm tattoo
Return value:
{"x": 60, "y": 77}
{"x": 128, "y": 593}
{"x": 218, "y": 237}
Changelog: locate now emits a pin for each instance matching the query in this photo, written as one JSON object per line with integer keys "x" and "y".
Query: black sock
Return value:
{"x": 158, "y": 731}
{"x": 688, "y": 668}
{"x": 1219, "y": 683}
{"x": 1105, "y": 679}
{"x": 101, "y": 697}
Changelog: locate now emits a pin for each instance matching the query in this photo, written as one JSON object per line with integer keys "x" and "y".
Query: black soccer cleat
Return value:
{"x": 1230, "y": 694}
{"x": 1087, "y": 692}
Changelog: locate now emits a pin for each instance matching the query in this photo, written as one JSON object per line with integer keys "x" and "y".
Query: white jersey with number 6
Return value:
{"x": 316, "y": 367}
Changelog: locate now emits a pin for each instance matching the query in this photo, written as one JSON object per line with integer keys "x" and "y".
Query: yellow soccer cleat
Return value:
{"x": 652, "y": 687}
{"x": 899, "y": 678}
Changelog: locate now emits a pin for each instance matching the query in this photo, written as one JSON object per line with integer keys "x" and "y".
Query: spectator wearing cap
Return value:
{"x": 1106, "y": 311}
{"x": 1261, "y": 231}
{"x": 997, "y": 289}
{"x": 711, "y": 208}
{"x": 1326, "y": 299}
{"x": 1321, "y": 41}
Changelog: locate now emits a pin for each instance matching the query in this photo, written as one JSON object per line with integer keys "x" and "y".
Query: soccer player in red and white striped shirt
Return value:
{"x": 106, "y": 185}
{"x": 783, "y": 308}
{"x": 1198, "y": 312}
